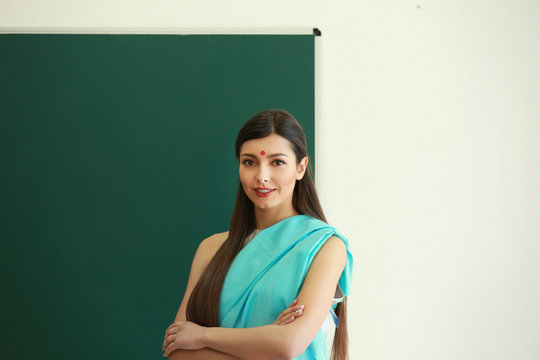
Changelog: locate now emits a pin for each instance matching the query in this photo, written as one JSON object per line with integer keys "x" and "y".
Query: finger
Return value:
{"x": 169, "y": 350}
{"x": 281, "y": 316}
{"x": 170, "y": 331}
{"x": 282, "y": 319}
{"x": 289, "y": 320}
{"x": 291, "y": 310}
{"x": 168, "y": 339}
{"x": 174, "y": 324}
{"x": 293, "y": 303}
{"x": 294, "y": 315}
{"x": 298, "y": 313}
{"x": 172, "y": 346}
{"x": 285, "y": 314}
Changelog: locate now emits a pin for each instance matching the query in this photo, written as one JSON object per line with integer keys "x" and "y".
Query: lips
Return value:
{"x": 264, "y": 192}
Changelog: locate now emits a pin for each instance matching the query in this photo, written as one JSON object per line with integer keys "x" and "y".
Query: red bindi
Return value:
{"x": 262, "y": 153}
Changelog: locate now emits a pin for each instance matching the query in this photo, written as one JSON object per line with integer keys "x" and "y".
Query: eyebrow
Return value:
{"x": 269, "y": 155}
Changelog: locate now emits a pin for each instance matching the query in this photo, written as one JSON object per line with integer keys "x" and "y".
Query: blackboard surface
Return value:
{"x": 117, "y": 159}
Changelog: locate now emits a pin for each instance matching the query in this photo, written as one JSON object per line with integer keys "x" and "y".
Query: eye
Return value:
{"x": 248, "y": 162}
{"x": 278, "y": 162}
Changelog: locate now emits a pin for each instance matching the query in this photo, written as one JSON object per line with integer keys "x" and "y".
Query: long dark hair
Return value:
{"x": 203, "y": 305}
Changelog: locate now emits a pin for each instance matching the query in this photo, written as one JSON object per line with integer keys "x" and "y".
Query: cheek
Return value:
{"x": 245, "y": 178}
{"x": 288, "y": 179}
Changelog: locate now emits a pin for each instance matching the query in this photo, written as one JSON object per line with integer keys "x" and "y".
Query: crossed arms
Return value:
{"x": 186, "y": 340}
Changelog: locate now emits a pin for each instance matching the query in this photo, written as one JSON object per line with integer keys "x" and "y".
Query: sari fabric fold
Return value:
{"x": 268, "y": 273}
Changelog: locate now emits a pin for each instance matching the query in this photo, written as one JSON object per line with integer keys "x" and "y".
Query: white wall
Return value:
{"x": 429, "y": 156}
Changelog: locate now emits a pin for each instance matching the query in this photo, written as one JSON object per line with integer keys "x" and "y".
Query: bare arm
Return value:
{"x": 272, "y": 341}
{"x": 293, "y": 312}
{"x": 206, "y": 251}
{"x": 200, "y": 354}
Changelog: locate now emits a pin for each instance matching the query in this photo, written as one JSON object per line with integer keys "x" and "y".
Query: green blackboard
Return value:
{"x": 117, "y": 159}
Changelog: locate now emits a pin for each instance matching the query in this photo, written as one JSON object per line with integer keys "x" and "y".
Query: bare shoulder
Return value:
{"x": 334, "y": 246}
{"x": 206, "y": 251}
{"x": 333, "y": 253}
{"x": 209, "y": 246}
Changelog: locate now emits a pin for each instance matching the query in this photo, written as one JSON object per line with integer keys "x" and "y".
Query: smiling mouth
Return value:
{"x": 264, "y": 192}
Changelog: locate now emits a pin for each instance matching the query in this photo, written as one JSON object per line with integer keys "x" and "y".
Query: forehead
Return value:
{"x": 272, "y": 143}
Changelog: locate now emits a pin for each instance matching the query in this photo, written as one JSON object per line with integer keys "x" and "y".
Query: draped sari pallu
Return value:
{"x": 268, "y": 273}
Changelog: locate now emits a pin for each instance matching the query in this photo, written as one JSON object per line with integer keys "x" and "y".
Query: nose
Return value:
{"x": 263, "y": 175}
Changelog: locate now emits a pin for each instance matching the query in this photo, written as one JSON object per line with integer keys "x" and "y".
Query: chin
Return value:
{"x": 263, "y": 206}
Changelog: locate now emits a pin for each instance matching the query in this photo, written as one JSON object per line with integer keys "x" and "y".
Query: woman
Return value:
{"x": 278, "y": 248}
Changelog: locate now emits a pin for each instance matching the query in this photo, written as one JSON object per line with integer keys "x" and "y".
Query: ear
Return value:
{"x": 301, "y": 168}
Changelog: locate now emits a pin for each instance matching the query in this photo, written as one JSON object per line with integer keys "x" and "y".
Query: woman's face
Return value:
{"x": 268, "y": 172}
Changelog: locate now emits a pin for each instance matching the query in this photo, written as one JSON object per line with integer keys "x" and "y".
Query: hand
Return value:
{"x": 289, "y": 314}
{"x": 182, "y": 335}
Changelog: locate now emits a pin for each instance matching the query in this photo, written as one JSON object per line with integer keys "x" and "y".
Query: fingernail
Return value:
{"x": 301, "y": 306}
{"x": 298, "y": 311}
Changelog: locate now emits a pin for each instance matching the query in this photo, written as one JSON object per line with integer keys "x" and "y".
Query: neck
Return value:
{"x": 268, "y": 217}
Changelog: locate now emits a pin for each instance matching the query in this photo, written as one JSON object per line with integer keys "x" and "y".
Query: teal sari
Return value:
{"x": 268, "y": 273}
